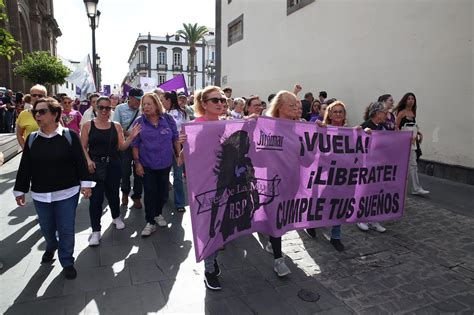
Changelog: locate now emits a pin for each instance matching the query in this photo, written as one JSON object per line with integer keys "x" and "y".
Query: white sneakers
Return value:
{"x": 374, "y": 226}
{"x": 94, "y": 239}
{"x": 118, "y": 222}
{"x": 160, "y": 220}
{"x": 363, "y": 226}
{"x": 280, "y": 267}
{"x": 149, "y": 229}
{"x": 420, "y": 191}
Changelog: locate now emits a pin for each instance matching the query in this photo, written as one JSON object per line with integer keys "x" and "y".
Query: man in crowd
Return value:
{"x": 125, "y": 114}
{"x": 183, "y": 103}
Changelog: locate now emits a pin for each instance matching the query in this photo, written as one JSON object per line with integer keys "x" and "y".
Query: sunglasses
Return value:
{"x": 106, "y": 108}
{"x": 37, "y": 95}
{"x": 216, "y": 100}
{"x": 41, "y": 111}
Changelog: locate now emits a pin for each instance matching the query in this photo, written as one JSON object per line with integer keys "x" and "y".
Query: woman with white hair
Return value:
{"x": 376, "y": 118}
{"x": 283, "y": 106}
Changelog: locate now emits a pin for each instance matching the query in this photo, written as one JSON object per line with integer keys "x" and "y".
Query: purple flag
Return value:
{"x": 125, "y": 89}
{"x": 178, "y": 84}
{"x": 273, "y": 175}
{"x": 107, "y": 90}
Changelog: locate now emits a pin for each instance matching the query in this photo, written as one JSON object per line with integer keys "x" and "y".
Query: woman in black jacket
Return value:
{"x": 53, "y": 163}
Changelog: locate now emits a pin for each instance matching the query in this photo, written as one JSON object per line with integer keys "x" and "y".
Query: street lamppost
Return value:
{"x": 211, "y": 71}
{"x": 98, "y": 74}
{"x": 93, "y": 14}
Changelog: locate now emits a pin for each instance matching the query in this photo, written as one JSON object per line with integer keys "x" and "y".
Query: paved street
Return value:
{"x": 423, "y": 264}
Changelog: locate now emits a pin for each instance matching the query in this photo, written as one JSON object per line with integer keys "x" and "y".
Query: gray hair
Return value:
{"x": 375, "y": 107}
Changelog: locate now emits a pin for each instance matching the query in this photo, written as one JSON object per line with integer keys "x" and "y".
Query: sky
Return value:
{"x": 120, "y": 23}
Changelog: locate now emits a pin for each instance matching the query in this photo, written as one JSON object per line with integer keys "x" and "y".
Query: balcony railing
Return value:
{"x": 163, "y": 67}
{"x": 177, "y": 67}
{"x": 142, "y": 66}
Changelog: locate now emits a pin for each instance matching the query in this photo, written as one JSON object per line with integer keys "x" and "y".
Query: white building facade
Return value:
{"x": 162, "y": 58}
{"x": 69, "y": 88}
{"x": 356, "y": 51}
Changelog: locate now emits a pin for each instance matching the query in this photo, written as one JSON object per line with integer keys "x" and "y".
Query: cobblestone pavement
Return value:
{"x": 423, "y": 264}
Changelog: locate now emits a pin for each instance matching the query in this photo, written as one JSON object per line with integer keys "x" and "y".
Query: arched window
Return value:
{"x": 177, "y": 56}
{"x": 162, "y": 55}
{"x": 142, "y": 54}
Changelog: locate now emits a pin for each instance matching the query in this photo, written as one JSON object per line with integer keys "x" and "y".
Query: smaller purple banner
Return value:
{"x": 178, "y": 84}
{"x": 107, "y": 90}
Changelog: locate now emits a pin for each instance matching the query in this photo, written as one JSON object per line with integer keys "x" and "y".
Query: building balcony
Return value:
{"x": 142, "y": 66}
{"x": 162, "y": 67}
{"x": 188, "y": 68}
{"x": 178, "y": 68}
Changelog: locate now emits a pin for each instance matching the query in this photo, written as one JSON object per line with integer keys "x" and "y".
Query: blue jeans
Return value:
{"x": 110, "y": 187}
{"x": 155, "y": 185}
{"x": 336, "y": 232}
{"x": 178, "y": 188}
{"x": 209, "y": 262}
{"x": 59, "y": 216}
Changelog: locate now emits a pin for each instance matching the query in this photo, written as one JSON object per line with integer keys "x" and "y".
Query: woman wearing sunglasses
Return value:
{"x": 53, "y": 163}
{"x": 71, "y": 118}
{"x": 335, "y": 115}
{"x": 209, "y": 104}
{"x": 102, "y": 140}
{"x": 26, "y": 122}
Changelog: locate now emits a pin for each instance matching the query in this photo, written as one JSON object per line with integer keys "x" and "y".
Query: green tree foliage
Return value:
{"x": 193, "y": 34}
{"x": 40, "y": 67}
{"x": 8, "y": 45}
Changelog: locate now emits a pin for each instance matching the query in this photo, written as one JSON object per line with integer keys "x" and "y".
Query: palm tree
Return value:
{"x": 192, "y": 34}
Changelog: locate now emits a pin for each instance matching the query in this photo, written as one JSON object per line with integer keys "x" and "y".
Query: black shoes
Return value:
{"x": 70, "y": 272}
{"x": 337, "y": 244}
{"x": 210, "y": 279}
{"x": 311, "y": 232}
{"x": 47, "y": 257}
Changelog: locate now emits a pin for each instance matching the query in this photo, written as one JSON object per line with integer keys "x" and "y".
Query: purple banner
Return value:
{"x": 178, "y": 84}
{"x": 272, "y": 175}
{"x": 125, "y": 89}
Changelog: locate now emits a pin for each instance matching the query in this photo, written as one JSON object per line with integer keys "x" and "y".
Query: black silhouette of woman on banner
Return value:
{"x": 236, "y": 181}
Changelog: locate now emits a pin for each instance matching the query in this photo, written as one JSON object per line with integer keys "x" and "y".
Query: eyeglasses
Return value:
{"x": 41, "y": 111}
{"x": 257, "y": 105}
{"x": 106, "y": 108}
{"x": 37, "y": 95}
{"x": 216, "y": 100}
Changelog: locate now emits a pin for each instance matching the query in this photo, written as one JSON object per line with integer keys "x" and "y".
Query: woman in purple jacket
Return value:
{"x": 153, "y": 151}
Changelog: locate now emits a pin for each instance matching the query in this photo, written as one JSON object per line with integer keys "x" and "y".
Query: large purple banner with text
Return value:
{"x": 273, "y": 175}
